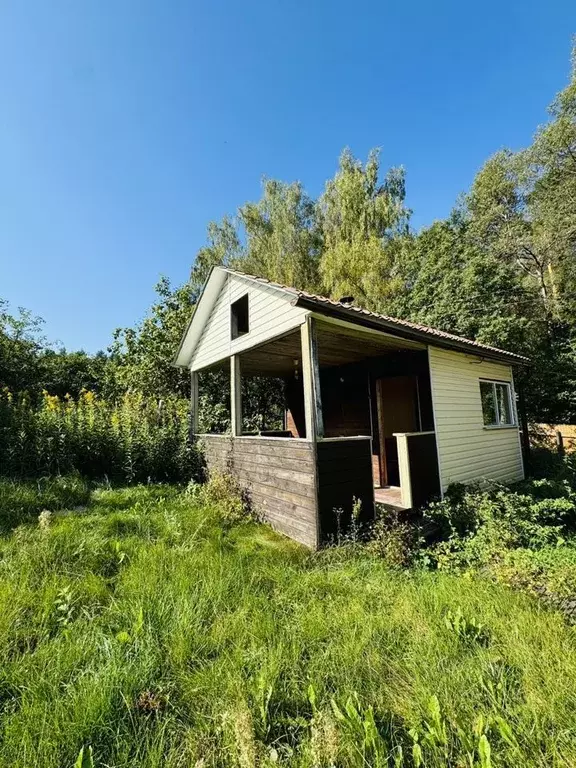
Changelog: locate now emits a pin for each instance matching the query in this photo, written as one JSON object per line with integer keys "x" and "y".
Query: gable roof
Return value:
{"x": 353, "y": 313}
{"x": 363, "y": 317}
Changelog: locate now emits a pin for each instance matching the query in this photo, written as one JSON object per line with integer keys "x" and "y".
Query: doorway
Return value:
{"x": 398, "y": 409}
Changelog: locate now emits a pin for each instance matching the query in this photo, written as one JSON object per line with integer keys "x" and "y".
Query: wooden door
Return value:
{"x": 398, "y": 411}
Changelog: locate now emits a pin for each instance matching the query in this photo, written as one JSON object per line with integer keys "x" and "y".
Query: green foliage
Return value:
{"x": 69, "y": 373}
{"x": 551, "y": 569}
{"x": 188, "y": 641}
{"x": 360, "y": 727}
{"x": 29, "y": 364}
{"x": 144, "y": 354}
{"x": 451, "y": 284}
{"x": 20, "y": 346}
{"x": 466, "y": 629}
{"x": 359, "y": 216}
{"x": 133, "y": 440}
{"x": 474, "y": 526}
{"x": 525, "y": 536}
{"x": 222, "y": 492}
{"x": 394, "y": 539}
{"x": 282, "y": 236}
{"x": 85, "y": 758}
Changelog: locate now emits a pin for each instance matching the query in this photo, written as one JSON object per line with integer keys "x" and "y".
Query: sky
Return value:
{"x": 127, "y": 125}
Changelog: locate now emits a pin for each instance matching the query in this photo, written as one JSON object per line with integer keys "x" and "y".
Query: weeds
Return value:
{"x": 467, "y": 630}
{"x": 525, "y": 536}
{"x": 222, "y": 492}
{"x": 130, "y": 441}
{"x": 85, "y": 758}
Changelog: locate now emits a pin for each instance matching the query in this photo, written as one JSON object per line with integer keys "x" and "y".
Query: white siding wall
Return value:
{"x": 270, "y": 314}
{"x": 467, "y": 450}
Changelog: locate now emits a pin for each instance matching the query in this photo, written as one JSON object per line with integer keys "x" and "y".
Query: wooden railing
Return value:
{"x": 418, "y": 466}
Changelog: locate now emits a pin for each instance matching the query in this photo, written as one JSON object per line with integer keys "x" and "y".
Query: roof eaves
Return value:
{"x": 175, "y": 362}
{"x": 405, "y": 329}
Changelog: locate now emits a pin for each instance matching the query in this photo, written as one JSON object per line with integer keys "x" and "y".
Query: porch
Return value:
{"x": 358, "y": 428}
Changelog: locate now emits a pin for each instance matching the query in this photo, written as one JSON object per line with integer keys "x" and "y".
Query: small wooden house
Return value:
{"x": 377, "y": 409}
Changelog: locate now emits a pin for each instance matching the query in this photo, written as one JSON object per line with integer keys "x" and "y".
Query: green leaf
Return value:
{"x": 85, "y": 758}
{"x": 484, "y": 752}
{"x": 312, "y": 697}
{"x": 338, "y": 714}
{"x": 506, "y": 732}
{"x": 417, "y": 755}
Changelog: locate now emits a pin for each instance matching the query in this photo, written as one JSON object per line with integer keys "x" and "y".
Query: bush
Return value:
{"x": 222, "y": 492}
{"x": 524, "y": 536}
{"x": 547, "y": 463}
{"x": 472, "y": 526}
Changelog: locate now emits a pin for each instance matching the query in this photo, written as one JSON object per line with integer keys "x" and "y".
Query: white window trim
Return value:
{"x": 234, "y": 334}
{"x": 511, "y": 404}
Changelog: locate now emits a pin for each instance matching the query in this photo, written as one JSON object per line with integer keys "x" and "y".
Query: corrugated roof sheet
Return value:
{"x": 355, "y": 313}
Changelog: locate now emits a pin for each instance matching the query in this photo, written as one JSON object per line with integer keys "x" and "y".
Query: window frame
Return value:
{"x": 234, "y": 332}
{"x": 511, "y": 404}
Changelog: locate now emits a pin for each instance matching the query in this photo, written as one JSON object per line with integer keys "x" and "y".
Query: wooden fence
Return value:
{"x": 560, "y": 437}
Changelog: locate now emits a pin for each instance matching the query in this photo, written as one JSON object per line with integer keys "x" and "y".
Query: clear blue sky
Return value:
{"x": 126, "y": 125}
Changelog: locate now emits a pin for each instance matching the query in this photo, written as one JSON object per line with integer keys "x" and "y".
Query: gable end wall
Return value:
{"x": 271, "y": 314}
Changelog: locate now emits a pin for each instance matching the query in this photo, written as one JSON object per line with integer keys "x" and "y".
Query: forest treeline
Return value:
{"x": 500, "y": 269}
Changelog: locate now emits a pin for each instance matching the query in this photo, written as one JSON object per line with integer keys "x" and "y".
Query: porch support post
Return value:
{"x": 404, "y": 469}
{"x": 193, "y": 404}
{"x": 235, "y": 396}
{"x": 311, "y": 381}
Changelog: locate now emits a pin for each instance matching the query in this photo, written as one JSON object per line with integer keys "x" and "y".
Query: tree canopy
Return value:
{"x": 501, "y": 269}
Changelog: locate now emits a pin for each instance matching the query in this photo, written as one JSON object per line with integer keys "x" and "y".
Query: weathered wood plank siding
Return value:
{"x": 270, "y": 314}
{"x": 344, "y": 474}
{"x": 278, "y": 476}
{"x": 467, "y": 450}
{"x": 423, "y": 466}
{"x": 346, "y": 401}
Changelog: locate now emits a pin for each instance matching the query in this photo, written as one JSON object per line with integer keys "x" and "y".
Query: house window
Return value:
{"x": 497, "y": 406}
{"x": 239, "y": 317}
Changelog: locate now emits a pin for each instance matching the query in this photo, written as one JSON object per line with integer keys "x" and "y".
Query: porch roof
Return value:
{"x": 336, "y": 345}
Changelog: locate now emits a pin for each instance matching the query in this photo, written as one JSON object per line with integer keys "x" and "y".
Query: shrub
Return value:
{"x": 474, "y": 526}
{"x": 222, "y": 492}
{"x": 524, "y": 536}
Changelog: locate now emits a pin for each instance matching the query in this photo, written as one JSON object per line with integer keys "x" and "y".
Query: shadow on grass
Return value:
{"x": 21, "y": 501}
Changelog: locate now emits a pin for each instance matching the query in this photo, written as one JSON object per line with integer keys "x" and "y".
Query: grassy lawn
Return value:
{"x": 152, "y": 634}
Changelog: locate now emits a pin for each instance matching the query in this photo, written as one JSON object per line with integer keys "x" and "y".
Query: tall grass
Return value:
{"x": 150, "y": 631}
{"x": 132, "y": 440}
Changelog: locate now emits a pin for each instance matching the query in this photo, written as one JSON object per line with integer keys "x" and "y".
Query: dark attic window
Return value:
{"x": 239, "y": 317}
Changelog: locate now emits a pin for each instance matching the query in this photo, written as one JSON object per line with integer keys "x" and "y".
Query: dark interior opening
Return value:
{"x": 239, "y": 317}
